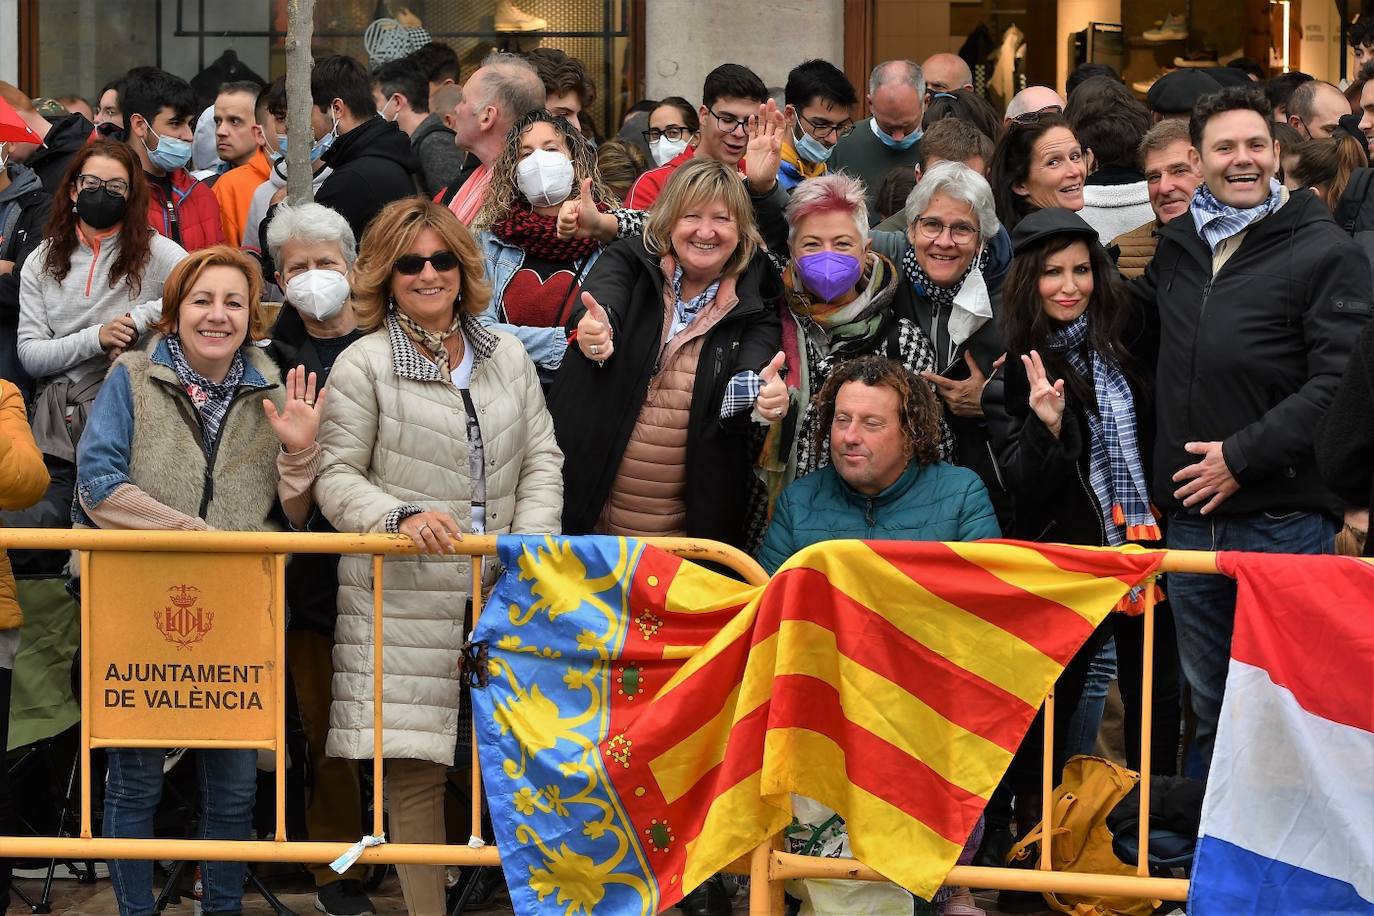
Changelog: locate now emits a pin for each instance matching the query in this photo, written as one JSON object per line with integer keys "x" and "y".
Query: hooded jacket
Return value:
{"x": 1251, "y": 355}
{"x": 373, "y": 166}
{"x": 66, "y": 136}
{"x": 628, "y": 282}
{"x": 33, "y": 204}
{"x": 439, "y": 158}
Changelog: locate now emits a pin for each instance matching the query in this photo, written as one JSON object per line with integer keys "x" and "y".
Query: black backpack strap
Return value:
{"x": 1352, "y": 202}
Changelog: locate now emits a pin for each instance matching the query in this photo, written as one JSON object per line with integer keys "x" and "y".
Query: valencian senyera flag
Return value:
{"x": 644, "y": 720}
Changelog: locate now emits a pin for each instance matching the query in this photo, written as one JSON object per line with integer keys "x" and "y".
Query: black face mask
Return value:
{"x": 99, "y": 208}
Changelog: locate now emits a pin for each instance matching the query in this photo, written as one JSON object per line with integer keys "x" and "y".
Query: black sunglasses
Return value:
{"x": 411, "y": 264}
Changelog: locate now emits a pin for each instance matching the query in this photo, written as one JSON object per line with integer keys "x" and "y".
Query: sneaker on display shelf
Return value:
{"x": 1173, "y": 28}
{"x": 1206, "y": 56}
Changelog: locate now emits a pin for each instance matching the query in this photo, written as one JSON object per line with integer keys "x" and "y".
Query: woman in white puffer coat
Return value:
{"x": 435, "y": 427}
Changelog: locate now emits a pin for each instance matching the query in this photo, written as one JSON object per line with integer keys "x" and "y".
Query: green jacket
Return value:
{"x": 937, "y": 502}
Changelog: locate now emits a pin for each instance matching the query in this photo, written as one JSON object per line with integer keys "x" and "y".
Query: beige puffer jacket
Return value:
{"x": 394, "y": 434}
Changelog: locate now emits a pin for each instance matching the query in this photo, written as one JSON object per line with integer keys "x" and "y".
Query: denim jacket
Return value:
{"x": 544, "y": 345}
{"x": 105, "y": 453}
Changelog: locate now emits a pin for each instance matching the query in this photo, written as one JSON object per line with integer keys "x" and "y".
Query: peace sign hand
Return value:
{"x": 1047, "y": 400}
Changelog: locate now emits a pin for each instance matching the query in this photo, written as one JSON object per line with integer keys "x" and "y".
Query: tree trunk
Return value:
{"x": 300, "y": 26}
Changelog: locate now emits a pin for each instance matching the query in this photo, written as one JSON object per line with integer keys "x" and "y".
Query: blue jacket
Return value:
{"x": 935, "y": 502}
{"x": 544, "y": 345}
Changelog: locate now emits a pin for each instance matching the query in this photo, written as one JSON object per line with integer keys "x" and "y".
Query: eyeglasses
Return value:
{"x": 1035, "y": 117}
{"x": 117, "y": 186}
{"x": 672, "y": 132}
{"x": 412, "y": 264}
{"x": 728, "y": 122}
{"x": 823, "y": 129}
{"x": 932, "y": 228}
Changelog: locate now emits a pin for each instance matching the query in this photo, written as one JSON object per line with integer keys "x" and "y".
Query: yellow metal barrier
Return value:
{"x": 774, "y": 867}
{"x": 93, "y": 546}
{"x": 768, "y": 866}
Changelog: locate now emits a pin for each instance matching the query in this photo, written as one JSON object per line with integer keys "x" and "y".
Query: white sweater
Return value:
{"x": 1112, "y": 209}
{"x": 59, "y": 323}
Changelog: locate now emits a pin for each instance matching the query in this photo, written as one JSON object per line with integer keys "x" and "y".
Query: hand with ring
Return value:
{"x": 771, "y": 402}
{"x": 299, "y": 419}
{"x": 433, "y": 532}
{"x": 594, "y": 331}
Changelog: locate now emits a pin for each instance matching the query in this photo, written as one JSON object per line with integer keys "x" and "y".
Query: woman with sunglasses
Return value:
{"x": 536, "y": 276}
{"x": 1038, "y": 163}
{"x": 93, "y": 286}
{"x": 435, "y": 428}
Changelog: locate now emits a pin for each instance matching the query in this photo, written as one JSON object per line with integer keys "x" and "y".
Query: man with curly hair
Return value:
{"x": 885, "y": 480}
{"x": 1361, "y": 38}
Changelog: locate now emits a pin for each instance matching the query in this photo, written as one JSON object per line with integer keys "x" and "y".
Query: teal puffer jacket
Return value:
{"x": 937, "y": 502}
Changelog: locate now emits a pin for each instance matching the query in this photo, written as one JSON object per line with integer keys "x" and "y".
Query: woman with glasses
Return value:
{"x": 678, "y": 333}
{"x": 536, "y": 276}
{"x": 1038, "y": 163}
{"x": 951, "y": 268}
{"x": 673, "y": 126}
{"x": 93, "y": 286}
{"x": 197, "y": 432}
{"x": 435, "y": 427}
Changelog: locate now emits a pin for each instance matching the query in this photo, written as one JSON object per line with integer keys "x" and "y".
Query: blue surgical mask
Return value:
{"x": 323, "y": 144}
{"x": 906, "y": 142}
{"x": 172, "y": 153}
{"x": 811, "y": 149}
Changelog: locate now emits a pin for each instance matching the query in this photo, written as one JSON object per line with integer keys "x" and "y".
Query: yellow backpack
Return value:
{"x": 1090, "y": 789}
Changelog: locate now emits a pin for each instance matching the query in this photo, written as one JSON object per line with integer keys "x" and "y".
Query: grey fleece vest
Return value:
{"x": 168, "y": 462}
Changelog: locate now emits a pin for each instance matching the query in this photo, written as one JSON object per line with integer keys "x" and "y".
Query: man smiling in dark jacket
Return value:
{"x": 371, "y": 158}
{"x": 1260, "y": 297}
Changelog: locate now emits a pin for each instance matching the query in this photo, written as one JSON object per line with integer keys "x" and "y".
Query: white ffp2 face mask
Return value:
{"x": 545, "y": 178}
{"x": 320, "y": 294}
{"x": 665, "y": 150}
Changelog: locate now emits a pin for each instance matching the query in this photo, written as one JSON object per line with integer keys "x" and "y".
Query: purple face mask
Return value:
{"x": 829, "y": 274}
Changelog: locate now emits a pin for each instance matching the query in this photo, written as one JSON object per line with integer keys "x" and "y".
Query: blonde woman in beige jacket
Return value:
{"x": 435, "y": 427}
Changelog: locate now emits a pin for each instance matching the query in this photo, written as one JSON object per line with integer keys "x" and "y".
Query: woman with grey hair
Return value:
{"x": 951, "y": 262}
{"x": 314, "y": 250}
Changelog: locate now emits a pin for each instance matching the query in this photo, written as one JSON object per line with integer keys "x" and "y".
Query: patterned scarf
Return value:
{"x": 537, "y": 234}
{"x": 1216, "y": 222}
{"x": 1115, "y": 472}
{"x": 432, "y": 341}
{"x": 942, "y": 296}
{"x": 211, "y": 399}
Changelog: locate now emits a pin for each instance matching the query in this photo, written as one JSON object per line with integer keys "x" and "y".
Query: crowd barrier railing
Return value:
{"x": 125, "y": 574}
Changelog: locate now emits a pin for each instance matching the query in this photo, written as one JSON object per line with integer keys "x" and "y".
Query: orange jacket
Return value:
{"x": 23, "y": 481}
{"x": 234, "y": 191}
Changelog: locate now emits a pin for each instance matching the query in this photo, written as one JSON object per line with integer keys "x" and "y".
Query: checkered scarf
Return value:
{"x": 211, "y": 399}
{"x": 1216, "y": 222}
{"x": 1115, "y": 472}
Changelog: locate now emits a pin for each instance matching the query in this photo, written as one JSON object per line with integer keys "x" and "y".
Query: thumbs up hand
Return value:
{"x": 594, "y": 331}
{"x": 771, "y": 404}
{"x": 569, "y": 222}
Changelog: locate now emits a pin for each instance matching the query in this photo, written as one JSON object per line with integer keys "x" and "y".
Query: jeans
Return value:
{"x": 1087, "y": 718}
{"x": 1205, "y": 605}
{"x": 133, "y": 787}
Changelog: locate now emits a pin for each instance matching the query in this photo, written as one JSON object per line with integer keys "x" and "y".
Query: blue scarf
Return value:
{"x": 1216, "y": 222}
{"x": 1115, "y": 473}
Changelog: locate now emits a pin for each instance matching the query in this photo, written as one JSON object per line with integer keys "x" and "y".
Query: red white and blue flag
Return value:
{"x": 1288, "y": 823}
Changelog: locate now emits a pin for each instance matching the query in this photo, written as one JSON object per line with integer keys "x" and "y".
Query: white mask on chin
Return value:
{"x": 319, "y": 294}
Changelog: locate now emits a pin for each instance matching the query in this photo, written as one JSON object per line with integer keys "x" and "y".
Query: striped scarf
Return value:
{"x": 1115, "y": 473}
{"x": 211, "y": 399}
{"x": 1216, "y": 222}
{"x": 432, "y": 342}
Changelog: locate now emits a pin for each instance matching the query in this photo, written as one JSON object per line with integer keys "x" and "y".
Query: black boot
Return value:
{"x": 709, "y": 899}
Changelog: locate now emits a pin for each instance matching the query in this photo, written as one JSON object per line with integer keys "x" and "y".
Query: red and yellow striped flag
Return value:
{"x": 890, "y": 681}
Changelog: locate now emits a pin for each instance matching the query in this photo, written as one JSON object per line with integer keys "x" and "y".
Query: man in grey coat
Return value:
{"x": 401, "y": 91}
